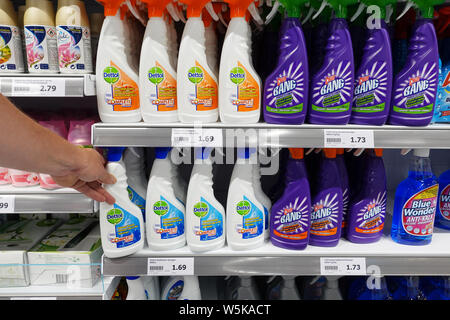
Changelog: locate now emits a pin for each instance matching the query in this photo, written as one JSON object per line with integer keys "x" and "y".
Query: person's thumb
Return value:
{"x": 107, "y": 178}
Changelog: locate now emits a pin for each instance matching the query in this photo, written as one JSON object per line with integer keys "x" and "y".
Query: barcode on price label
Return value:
{"x": 348, "y": 139}
{"x": 342, "y": 266}
{"x": 7, "y": 203}
{"x": 170, "y": 266}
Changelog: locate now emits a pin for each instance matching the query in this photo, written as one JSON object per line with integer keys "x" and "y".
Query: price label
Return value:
{"x": 197, "y": 137}
{"x": 30, "y": 87}
{"x": 33, "y": 298}
{"x": 7, "y": 203}
{"x": 170, "y": 266}
{"x": 348, "y": 139}
{"x": 342, "y": 266}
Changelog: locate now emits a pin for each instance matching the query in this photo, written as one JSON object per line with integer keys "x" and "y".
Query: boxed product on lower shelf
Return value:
{"x": 16, "y": 238}
{"x": 70, "y": 255}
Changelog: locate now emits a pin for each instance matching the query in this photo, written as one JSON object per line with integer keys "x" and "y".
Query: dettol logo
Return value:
{"x": 237, "y": 75}
{"x": 200, "y": 209}
{"x": 243, "y": 207}
{"x": 195, "y": 75}
{"x": 114, "y": 216}
{"x": 156, "y": 75}
{"x": 111, "y": 75}
{"x": 160, "y": 208}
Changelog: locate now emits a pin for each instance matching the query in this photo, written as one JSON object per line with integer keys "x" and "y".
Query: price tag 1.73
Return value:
{"x": 342, "y": 266}
{"x": 7, "y": 203}
{"x": 348, "y": 138}
{"x": 170, "y": 266}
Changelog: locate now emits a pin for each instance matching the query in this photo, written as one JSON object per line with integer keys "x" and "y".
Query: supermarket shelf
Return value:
{"x": 102, "y": 290}
{"x": 37, "y": 200}
{"x": 141, "y": 134}
{"x": 51, "y": 85}
{"x": 392, "y": 259}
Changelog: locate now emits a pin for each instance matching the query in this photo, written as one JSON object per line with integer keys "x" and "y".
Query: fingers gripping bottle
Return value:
{"x": 157, "y": 74}
{"x": 415, "y": 86}
{"x": 164, "y": 212}
{"x": 116, "y": 78}
{"x": 239, "y": 84}
{"x": 205, "y": 216}
{"x": 373, "y": 79}
{"x": 286, "y": 89}
{"x": 415, "y": 203}
{"x": 332, "y": 86}
{"x": 245, "y": 214}
{"x": 121, "y": 224}
{"x": 197, "y": 89}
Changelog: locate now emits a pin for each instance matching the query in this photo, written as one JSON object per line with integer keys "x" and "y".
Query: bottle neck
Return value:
{"x": 420, "y": 168}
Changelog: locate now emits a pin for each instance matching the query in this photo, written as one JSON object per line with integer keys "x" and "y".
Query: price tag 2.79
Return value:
{"x": 7, "y": 203}
{"x": 170, "y": 266}
{"x": 51, "y": 87}
{"x": 342, "y": 266}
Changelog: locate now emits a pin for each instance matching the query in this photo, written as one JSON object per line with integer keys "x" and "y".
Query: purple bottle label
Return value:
{"x": 444, "y": 202}
{"x": 291, "y": 222}
{"x": 345, "y": 201}
{"x": 370, "y": 215}
{"x": 326, "y": 213}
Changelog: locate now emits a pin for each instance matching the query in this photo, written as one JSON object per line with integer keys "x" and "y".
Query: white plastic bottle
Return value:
{"x": 241, "y": 288}
{"x": 121, "y": 224}
{"x": 179, "y": 185}
{"x": 151, "y": 287}
{"x": 245, "y": 214}
{"x": 191, "y": 289}
{"x": 116, "y": 79}
{"x": 283, "y": 288}
{"x": 137, "y": 182}
{"x": 331, "y": 290}
{"x": 165, "y": 214}
{"x": 197, "y": 88}
{"x": 136, "y": 290}
{"x": 11, "y": 54}
{"x": 40, "y": 37}
{"x": 211, "y": 44}
{"x": 205, "y": 216}
{"x": 181, "y": 288}
{"x": 74, "y": 37}
{"x": 239, "y": 84}
{"x": 262, "y": 198}
{"x": 157, "y": 75}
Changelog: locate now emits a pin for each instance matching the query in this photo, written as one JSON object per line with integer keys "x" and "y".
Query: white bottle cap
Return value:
{"x": 423, "y": 153}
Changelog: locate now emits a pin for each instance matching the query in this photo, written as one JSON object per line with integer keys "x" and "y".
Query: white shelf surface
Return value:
{"x": 29, "y": 85}
{"x": 392, "y": 258}
{"x": 38, "y": 200}
{"x": 435, "y": 136}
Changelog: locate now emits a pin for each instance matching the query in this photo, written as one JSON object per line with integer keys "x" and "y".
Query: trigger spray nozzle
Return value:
{"x": 322, "y": 7}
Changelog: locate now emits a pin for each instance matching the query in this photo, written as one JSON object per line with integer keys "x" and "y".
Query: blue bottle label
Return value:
{"x": 252, "y": 219}
{"x": 175, "y": 291}
{"x": 210, "y": 225}
{"x": 137, "y": 200}
{"x": 444, "y": 202}
{"x": 171, "y": 221}
{"x": 127, "y": 227}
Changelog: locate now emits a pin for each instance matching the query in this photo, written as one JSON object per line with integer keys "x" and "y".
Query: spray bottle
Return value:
{"x": 157, "y": 74}
{"x": 239, "y": 84}
{"x": 373, "y": 80}
{"x": 197, "y": 89}
{"x": 415, "y": 86}
{"x": 345, "y": 188}
{"x": 137, "y": 182}
{"x": 443, "y": 208}
{"x": 282, "y": 288}
{"x": 116, "y": 79}
{"x": 262, "y": 197}
{"x": 332, "y": 86}
{"x": 286, "y": 89}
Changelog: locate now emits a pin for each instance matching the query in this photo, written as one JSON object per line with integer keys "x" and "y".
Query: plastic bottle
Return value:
{"x": 121, "y": 224}
{"x": 262, "y": 198}
{"x": 331, "y": 89}
{"x": 211, "y": 40}
{"x": 74, "y": 37}
{"x": 165, "y": 214}
{"x": 116, "y": 78}
{"x": 241, "y": 288}
{"x": 11, "y": 54}
{"x": 191, "y": 289}
{"x": 286, "y": 89}
{"x": 157, "y": 74}
{"x": 136, "y": 290}
{"x": 245, "y": 214}
{"x": 331, "y": 290}
{"x": 181, "y": 288}
{"x": 239, "y": 84}
{"x": 5, "y": 178}
{"x": 373, "y": 79}
{"x": 291, "y": 214}
{"x": 179, "y": 184}
{"x": 197, "y": 89}
{"x": 443, "y": 208}
{"x": 415, "y": 86}
{"x": 137, "y": 182}
{"x": 80, "y": 132}
{"x": 368, "y": 209}
{"x": 405, "y": 288}
{"x": 20, "y": 178}
{"x": 345, "y": 187}
{"x": 326, "y": 204}
{"x": 375, "y": 292}
{"x": 415, "y": 204}
{"x": 282, "y": 288}
{"x": 205, "y": 216}
{"x": 151, "y": 286}
{"x": 41, "y": 37}
{"x": 96, "y": 21}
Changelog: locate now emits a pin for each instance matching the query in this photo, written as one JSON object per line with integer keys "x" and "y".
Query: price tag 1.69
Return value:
{"x": 170, "y": 266}
{"x": 7, "y": 203}
{"x": 342, "y": 266}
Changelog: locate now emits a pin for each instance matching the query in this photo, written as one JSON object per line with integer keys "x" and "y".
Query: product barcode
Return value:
{"x": 155, "y": 268}
{"x": 21, "y": 89}
{"x": 334, "y": 140}
{"x": 62, "y": 278}
{"x": 331, "y": 268}
{"x": 181, "y": 139}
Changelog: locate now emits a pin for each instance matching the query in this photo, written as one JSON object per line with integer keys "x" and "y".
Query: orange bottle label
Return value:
{"x": 206, "y": 95}
{"x": 124, "y": 94}
{"x": 247, "y": 97}
{"x": 165, "y": 96}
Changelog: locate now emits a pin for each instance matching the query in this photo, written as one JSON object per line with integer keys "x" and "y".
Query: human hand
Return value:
{"x": 89, "y": 176}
